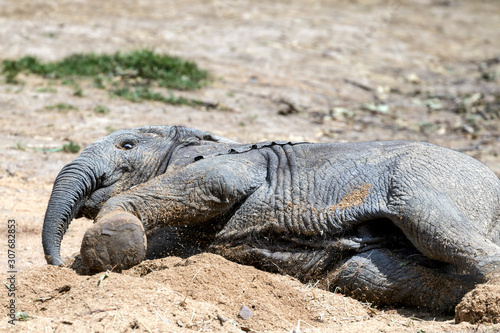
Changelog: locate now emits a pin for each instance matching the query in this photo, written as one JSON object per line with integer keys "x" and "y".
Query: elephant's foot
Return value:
{"x": 481, "y": 305}
{"x": 116, "y": 241}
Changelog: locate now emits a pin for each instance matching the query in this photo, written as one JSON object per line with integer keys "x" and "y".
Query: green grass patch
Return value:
{"x": 20, "y": 146}
{"x": 166, "y": 71}
{"x": 101, "y": 109}
{"x": 110, "y": 129}
{"x": 71, "y": 147}
{"x": 62, "y": 107}
{"x": 141, "y": 93}
{"x": 77, "y": 90}
{"x": 47, "y": 90}
{"x": 133, "y": 76}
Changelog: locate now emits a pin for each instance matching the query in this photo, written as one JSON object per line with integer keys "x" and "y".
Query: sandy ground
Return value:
{"x": 433, "y": 65}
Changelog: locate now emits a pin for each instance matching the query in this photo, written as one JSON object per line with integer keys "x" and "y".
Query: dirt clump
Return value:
{"x": 481, "y": 305}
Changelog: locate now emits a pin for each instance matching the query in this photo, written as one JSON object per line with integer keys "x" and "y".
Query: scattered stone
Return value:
{"x": 287, "y": 107}
{"x": 245, "y": 312}
{"x": 376, "y": 108}
{"x": 64, "y": 289}
{"x": 413, "y": 78}
{"x": 134, "y": 324}
{"x": 221, "y": 319}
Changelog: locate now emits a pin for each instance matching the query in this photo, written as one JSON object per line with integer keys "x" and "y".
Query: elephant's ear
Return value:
{"x": 185, "y": 135}
{"x": 192, "y": 136}
{"x": 209, "y": 138}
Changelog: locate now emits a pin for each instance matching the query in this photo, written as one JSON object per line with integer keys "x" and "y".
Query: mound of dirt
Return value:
{"x": 480, "y": 305}
{"x": 203, "y": 293}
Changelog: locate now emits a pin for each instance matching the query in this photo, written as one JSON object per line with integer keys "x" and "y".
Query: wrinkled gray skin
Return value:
{"x": 389, "y": 222}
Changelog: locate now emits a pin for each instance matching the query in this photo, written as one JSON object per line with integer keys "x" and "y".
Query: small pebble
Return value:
{"x": 245, "y": 312}
{"x": 222, "y": 320}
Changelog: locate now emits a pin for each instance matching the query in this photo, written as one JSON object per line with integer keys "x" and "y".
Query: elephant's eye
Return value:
{"x": 127, "y": 145}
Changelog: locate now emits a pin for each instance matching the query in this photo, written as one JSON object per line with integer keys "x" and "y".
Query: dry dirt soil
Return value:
{"x": 322, "y": 71}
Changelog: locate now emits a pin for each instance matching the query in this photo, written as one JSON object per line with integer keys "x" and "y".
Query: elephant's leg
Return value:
{"x": 192, "y": 197}
{"x": 382, "y": 277}
{"x": 440, "y": 230}
{"x": 118, "y": 241}
{"x": 304, "y": 264}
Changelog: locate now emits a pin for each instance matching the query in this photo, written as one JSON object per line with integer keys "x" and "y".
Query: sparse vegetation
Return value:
{"x": 109, "y": 129}
{"x": 61, "y": 107}
{"x": 140, "y": 93}
{"x": 22, "y": 316}
{"x": 131, "y": 75}
{"x": 77, "y": 90}
{"x": 71, "y": 147}
{"x": 167, "y": 71}
{"x": 101, "y": 109}
{"x": 20, "y": 146}
{"x": 47, "y": 90}
{"x": 103, "y": 277}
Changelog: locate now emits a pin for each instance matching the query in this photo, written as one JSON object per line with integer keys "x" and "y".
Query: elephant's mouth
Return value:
{"x": 87, "y": 212}
{"x": 94, "y": 203}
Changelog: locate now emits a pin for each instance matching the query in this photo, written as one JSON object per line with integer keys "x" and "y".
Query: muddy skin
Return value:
{"x": 392, "y": 223}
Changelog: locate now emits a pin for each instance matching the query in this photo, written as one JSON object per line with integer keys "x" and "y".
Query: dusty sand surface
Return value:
{"x": 284, "y": 70}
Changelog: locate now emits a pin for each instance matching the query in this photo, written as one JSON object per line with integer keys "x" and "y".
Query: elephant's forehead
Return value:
{"x": 123, "y": 132}
{"x": 109, "y": 139}
{"x": 141, "y": 131}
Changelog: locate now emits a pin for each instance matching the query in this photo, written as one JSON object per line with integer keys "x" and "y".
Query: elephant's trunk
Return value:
{"x": 73, "y": 184}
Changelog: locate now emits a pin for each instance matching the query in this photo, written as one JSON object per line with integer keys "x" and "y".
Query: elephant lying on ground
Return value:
{"x": 403, "y": 223}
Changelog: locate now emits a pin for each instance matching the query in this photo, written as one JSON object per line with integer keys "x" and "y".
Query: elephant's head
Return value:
{"x": 109, "y": 166}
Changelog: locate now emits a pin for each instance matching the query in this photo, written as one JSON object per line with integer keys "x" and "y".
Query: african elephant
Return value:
{"x": 396, "y": 222}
